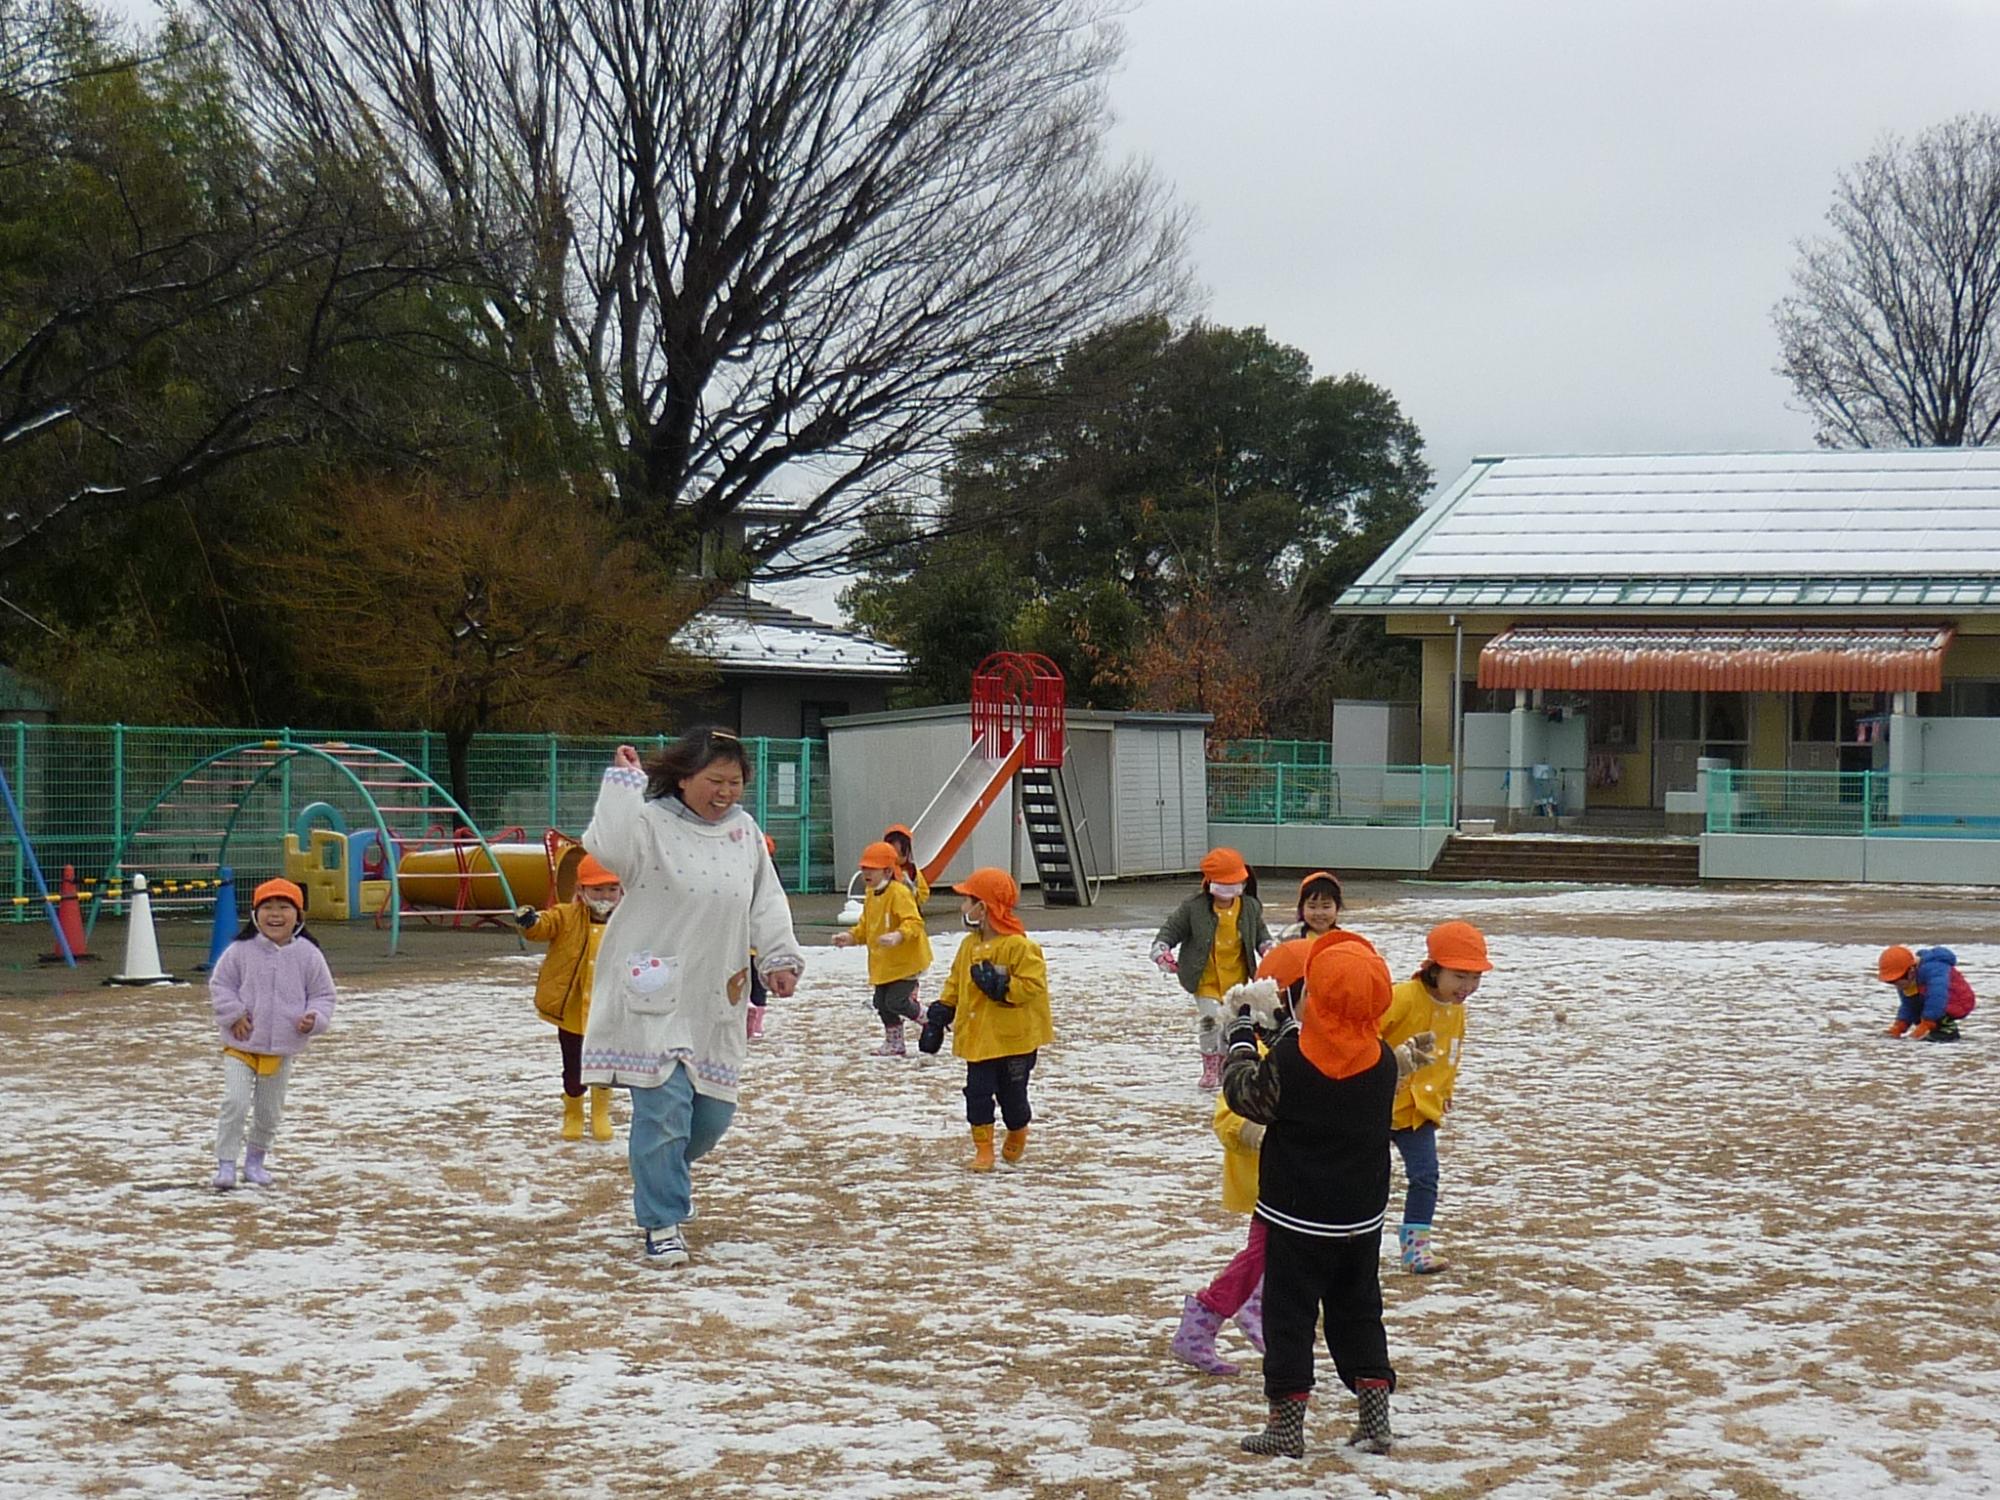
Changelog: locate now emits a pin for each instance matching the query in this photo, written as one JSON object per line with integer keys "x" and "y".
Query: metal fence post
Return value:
{"x": 1279, "y": 817}
{"x": 21, "y": 780}
{"x": 805, "y": 819}
{"x": 555, "y": 781}
{"x": 1867, "y": 803}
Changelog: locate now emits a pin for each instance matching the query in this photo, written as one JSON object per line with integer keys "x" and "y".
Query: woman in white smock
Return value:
{"x": 673, "y": 974}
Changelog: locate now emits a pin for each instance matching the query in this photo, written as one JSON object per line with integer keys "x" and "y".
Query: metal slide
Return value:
{"x": 960, "y": 803}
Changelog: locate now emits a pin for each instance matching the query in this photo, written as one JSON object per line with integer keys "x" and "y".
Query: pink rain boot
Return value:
{"x": 253, "y": 1167}
{"x": 892, "y": 1041}
{"x": 1250, "y": 1319}
{"x": 1211, "y": 1071}
{"x": 1194, "y": 1340}
{"x": 753, "y": 1023}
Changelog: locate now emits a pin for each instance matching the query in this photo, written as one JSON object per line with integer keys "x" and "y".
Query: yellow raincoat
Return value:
{"x": 892, "y": 909}
{"x": 562, "y": 989}
{"x": 984, "y": 1028}
{"x": 1424, "y": 1096}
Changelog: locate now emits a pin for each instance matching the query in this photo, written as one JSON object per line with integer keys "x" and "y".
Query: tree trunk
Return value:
{"x": 457, "y": 755}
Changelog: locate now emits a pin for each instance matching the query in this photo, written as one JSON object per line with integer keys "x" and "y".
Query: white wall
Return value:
{"x": 1882, "y": 860}
{"x": 1304, "y": 846}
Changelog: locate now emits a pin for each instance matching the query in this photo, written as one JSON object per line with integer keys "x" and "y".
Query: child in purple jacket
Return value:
{"x": 272, "y": 991}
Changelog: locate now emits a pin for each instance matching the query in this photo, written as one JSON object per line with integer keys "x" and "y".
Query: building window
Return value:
{"x": 1973, "y": 698}
{"x": 813, "y": 711}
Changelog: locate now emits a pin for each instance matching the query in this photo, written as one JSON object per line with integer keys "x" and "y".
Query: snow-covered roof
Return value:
{"x": 743, "y": 634}
{"x": 1854, "y": 530}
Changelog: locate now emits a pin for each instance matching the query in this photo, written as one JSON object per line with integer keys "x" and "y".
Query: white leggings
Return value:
{"x": 245, "y": 1094}
{"x": 1208, "y": 1025}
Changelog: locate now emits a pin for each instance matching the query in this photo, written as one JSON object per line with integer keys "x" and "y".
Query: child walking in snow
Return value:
{"x": 272, "y": 992}
{"x": 899, "y": 950}
{"x": 1431, "y": 1002}
{"x": 995, "y": 1002}
{"x": 1238, "y": 1292}
{"x": 1210, "y": 942}
{"x": 898, "y": 837}
{"x": 1323, "y": 1092}
{"x": 760, "y": 995}
{"x": 1933, "y": 995}
{"x": 574, "y": 931}
{"x": 1319, "y": 907}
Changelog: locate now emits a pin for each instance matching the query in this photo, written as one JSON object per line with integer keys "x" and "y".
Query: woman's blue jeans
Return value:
{"x": 672, "y": 1126}
{"x": 1419, "y": 1150}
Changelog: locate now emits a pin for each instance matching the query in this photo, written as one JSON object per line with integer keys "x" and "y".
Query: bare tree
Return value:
{"x": 1889, "y": 337}
{"x": 749, "y": 247}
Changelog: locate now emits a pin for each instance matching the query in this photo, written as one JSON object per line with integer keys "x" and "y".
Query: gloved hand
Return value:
{"x": 526, "y": 916}
{"x": 1242, "y": 1032}
{"x": 889, "y": 939}
{"x": 1921, "y": 1030}
{"x": 1164, "y": 957}
{"x": 1898, "y": 1027}
{"x": 1419, "y": 1051}
{"x": 991, "y": 979}
{"x": 1251, "y": 1136}
{"x": 936, "y": 1019}
{"x": 1261, "y": 996}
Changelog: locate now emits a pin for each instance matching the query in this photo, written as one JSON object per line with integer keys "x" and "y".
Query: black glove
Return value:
{"x": 992, "y": 980}
{"x": 526, "y": 917}
{"x": 936, "y": 1019}
{"x": 1242, "y": 1032}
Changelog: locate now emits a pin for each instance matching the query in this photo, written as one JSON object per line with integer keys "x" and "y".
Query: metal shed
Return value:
{"x": 1141, "y": 779}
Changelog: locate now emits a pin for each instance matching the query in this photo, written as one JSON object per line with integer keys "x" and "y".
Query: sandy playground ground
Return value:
{"x": 1709, "y": 1233}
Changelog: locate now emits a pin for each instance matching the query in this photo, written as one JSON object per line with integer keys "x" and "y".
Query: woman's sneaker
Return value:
{"x": 665, "y": 1247}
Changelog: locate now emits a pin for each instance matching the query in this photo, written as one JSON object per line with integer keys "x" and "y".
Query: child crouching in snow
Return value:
{"x": 272, "y": 992}
{"x": 1323, "y": 1092}
{"x": 1935, "y": 996}
{"x": 1238, "y": 1292}
{"x": 995, "y": 1002}
{"x": 899, "y": 950}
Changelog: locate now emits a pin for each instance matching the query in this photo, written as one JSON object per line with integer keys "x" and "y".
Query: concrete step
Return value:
{"x": 1589, "y": 861}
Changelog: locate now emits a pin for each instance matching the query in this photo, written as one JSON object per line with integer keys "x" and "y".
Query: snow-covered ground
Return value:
{"x": 1709, "y": 1233}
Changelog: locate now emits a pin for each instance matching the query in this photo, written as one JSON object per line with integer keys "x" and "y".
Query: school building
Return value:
{"x": 1819, "y": 632}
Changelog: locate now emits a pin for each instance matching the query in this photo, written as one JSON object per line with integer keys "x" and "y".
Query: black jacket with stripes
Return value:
{"x": 1325, "y": 1161}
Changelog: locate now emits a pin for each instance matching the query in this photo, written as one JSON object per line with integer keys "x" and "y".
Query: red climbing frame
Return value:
{"x": 1018, "y": 694}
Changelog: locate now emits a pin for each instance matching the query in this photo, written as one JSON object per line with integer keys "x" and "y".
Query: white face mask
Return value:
{"x": 1226, "y": 892}
{"x": 974, "y": 918}
{"x": 601, "y": 907}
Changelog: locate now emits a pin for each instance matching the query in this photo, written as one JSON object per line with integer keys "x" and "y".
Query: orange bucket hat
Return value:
{"x": 1223, "y": 867}
{"x": 1339, "y": 896}
{"x": 1286, "y": 963}
{"x": 1347, "y": 993}
{"x": 1458, "y": 945}
{"x": 1895, "y": 963}
{"x": 995, "y": 890}
{"x": 880, "y": 856}
{"x": 278, "y": 890}
{"x": 593, "y": 871}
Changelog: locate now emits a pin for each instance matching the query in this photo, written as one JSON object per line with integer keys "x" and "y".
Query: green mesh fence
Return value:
{"x": 1854, "y": 803}
{"x": 1247, "y": 789}
{"x": 1273, "y": 752}
{"x": 79, "y": 785}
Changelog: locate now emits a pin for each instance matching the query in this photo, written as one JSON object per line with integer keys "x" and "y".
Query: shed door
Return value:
{"x": 1141, "y": 803}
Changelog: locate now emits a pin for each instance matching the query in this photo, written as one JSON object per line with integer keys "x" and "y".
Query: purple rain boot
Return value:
{"x": 225, "y": 1176}
{"x": 253, "y": 1167}
{"x": 1250, "y": 1318}
{"x": 1194, "y": 1340}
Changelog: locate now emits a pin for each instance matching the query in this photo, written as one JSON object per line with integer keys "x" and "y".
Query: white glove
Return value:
{"x": 1261, "y": 995}
{"x": 1251, "y": 1136}
{"x": 1420, "y": 1051}
{"x": 889, "y": 939}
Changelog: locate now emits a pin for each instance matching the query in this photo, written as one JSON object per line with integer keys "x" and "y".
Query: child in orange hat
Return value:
{"x": 1238, "y": 1292}
{"x": 1323, "y": 1092}
{"x": 1211, "y": 942}
{"x": 995, "y": 1002}
{"x": 574, "y": 931}
{"x": 1320, "y": 901}
{"x": 1933, "y": 995}
{"x": 1431, "y": 1002}
{"x": 899, "y": 949}
{"x": 272, "y": 993}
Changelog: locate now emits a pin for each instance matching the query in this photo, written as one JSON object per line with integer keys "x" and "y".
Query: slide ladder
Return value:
{"x": 1058, "y": 838}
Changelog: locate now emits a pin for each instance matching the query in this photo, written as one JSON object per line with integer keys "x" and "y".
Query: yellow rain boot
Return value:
{"x": 982, "y": 1148}
{"x": 600, "y": 1112}
{"x": 1015, "y": 1146}
{"x": 572, "y": 1126}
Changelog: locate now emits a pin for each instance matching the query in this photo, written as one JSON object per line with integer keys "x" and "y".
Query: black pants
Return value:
{"x": 897, "y": 1001}
{"x": 757, "y": 991}
{"x": 572, "y": 1051}
{"x": 1306, "y": 1276}
{"x": 1004, "y": 1079}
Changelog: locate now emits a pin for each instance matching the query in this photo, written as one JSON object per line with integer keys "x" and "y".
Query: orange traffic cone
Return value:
{"x": 142, "y": 949}
{"x": 69, "y": 913}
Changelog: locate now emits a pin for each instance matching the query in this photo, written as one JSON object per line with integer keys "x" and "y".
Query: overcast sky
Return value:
{"x": 1544, "y": 225}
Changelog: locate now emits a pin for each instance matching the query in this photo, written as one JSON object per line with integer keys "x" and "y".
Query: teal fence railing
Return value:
{"x": 1854, "y": 804}
{"x": 1278, "y": 791}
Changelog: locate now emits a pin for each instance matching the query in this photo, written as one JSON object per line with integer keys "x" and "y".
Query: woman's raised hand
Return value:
{"x": 626, "y": 758}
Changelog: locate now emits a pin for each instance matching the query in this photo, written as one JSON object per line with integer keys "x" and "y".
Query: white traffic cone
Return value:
{"x": 142, "y": 949}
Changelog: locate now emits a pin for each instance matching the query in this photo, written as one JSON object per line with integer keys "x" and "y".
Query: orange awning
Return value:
{"x": 1729, "y": 659}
